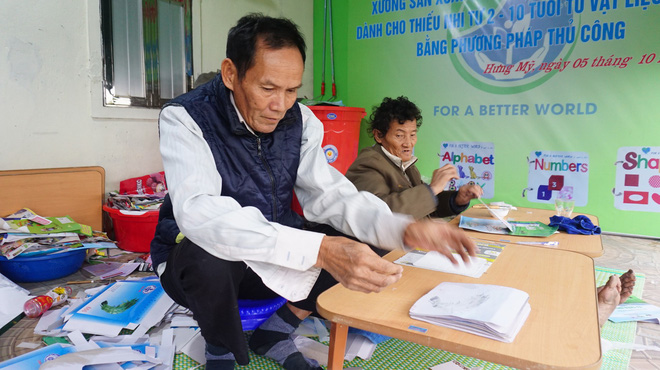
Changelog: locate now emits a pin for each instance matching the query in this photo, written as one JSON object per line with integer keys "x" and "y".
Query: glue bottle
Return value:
{"x": 36, "y": 306}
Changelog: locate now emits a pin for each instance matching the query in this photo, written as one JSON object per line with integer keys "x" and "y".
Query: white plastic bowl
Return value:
{"x": 501, "y": 212}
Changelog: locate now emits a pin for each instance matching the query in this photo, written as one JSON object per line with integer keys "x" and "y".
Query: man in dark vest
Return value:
{"x": 234, "y": 150}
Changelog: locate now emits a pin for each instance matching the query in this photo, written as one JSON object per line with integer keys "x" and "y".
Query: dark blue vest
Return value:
{"x": 257, "y": 171}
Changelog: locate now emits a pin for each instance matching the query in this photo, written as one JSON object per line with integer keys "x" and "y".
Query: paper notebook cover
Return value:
{"x": 123, "y": 304}
{"x": 491, "y": 311}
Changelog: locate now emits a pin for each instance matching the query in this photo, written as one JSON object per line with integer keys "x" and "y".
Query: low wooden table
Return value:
{"x": 562, "y": 330}
{"x": 590, "y": 245}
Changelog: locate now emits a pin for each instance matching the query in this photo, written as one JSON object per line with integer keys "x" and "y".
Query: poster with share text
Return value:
{"x": 555, "y": 173}
{"x": 637, "y": 179}
{"x": 474, "y": 162}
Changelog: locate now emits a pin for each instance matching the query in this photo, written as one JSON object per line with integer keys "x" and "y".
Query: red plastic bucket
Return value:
{"x": 134, "y": 230}
{"x": 341, "y": 127}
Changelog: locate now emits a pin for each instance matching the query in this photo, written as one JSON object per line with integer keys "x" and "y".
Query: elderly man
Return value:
{"x": 234, "y": 150}
{"x": 388, "y": 169}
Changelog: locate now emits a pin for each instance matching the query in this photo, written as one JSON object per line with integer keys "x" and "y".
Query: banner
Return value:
{"x": 577, "y": 78}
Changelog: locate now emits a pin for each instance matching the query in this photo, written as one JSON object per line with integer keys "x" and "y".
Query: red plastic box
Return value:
{"x": 134, "y": 230}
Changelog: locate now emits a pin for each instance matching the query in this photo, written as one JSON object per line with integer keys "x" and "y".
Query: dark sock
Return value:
{"x": 273, "y": 339}
{"x": 219, "y": 358}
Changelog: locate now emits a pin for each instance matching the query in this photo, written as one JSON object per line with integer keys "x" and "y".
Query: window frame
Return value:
{"x": 150, "y": 56}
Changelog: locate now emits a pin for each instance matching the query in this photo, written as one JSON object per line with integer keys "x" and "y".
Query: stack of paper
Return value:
{"x": 491, "y": 311}
{"x": 28, "y": 234}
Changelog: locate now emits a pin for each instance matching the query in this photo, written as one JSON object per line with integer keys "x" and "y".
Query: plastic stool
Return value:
{"x": 254, "y": 312}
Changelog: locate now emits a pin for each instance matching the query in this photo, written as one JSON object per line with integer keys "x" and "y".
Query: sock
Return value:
{"x": 273, "y": 339}
{"x": 219, "y": 358}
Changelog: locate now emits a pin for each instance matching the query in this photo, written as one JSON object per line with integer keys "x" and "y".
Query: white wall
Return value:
{"x": 217, "y": 17}
{"x": 51, "y": 113}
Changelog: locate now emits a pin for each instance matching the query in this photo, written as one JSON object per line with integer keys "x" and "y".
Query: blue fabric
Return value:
{"x": 258, "y": 171}
{"x": 577, "y": 225}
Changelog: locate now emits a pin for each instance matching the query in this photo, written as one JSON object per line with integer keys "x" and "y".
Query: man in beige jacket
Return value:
{"x": 388, "y": 169}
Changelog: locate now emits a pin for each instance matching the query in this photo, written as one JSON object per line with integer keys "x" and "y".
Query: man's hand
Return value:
{"x": 468, "y": 192}
{"x": 355, "y": 265}
{"x": 441, "y": 177}
{"x": 436, "y": 235}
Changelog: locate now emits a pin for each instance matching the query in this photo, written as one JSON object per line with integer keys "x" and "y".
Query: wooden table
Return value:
{"x": 590, "y": 245}
{"x": 561, "y": 331}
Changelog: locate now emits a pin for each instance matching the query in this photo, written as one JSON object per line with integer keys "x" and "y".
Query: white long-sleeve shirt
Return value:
{"x": 282, "y": 256}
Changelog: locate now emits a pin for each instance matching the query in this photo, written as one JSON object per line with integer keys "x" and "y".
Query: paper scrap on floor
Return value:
{"x": 126, "y": 304}
{"x": 107, "y": 270}
{"x": 636, "y": 309}
{"x": 13, "y": 299}
{"x": 453, "y": 365}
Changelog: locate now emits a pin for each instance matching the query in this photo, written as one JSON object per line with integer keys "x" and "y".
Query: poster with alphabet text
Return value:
{"x": 474, "y": 162}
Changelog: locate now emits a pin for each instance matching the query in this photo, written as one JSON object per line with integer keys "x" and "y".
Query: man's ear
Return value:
{"x": 229, "y": 73}
{"x": 378, "y": 136}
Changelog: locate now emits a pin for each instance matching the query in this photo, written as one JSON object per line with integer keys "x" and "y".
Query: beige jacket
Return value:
{"x": 372, "y": 171}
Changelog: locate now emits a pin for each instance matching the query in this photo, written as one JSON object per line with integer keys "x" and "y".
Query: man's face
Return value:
{"x": 269, "y": 88}
{"x": 400, "y": 139}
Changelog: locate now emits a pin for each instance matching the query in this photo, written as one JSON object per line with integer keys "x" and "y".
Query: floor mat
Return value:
{"x": 399, "y": 354}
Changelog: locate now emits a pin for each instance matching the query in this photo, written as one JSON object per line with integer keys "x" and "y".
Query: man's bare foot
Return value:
{"x": 627, "y": 284}
{"x": 609, "y": 296}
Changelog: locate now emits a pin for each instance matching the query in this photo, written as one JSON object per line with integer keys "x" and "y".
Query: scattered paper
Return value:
{"x": 32, "y": 360}
{"x": 359, "y": 346}
{"x": 195, "y": 348}
{"x": 610, "y": 345}
{"x": 110, "y": 355}
{"x": 108, "y": 270}
{"x": 635, "y": 309}
{"x": 123, "y": 304}
{"x": 312, "y": 349}
{"x": 13, "y": 299}
{"x": 453, "y": 365}
{"x": 28, "y": 345}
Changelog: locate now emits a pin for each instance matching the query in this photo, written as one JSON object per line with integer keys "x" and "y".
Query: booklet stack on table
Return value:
{"x": 491, "y": 311}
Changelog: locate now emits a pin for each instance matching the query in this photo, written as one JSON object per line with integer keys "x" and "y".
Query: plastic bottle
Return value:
{"x": 36, "y": 306}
